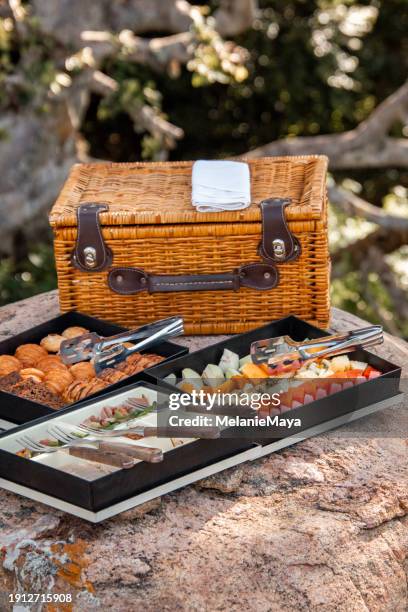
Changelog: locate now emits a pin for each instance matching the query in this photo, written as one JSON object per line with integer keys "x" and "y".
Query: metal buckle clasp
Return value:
{"x": 90, "y": 257}
{"x": 279, "y": 249}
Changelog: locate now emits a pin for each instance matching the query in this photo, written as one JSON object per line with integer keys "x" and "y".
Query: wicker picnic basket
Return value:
{"x": 131, "y": 248}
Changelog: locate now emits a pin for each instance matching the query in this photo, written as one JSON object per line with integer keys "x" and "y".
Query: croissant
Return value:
{"x": 32, "y": 373}
{"x": 30, "y": 354}
{"x": 9, "y": 364}
{"x": 58, "y": 380}
{"x": 51, "y": 362}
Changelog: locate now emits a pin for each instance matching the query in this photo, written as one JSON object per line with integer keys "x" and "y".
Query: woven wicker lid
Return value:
{"x": 160, "y": 192}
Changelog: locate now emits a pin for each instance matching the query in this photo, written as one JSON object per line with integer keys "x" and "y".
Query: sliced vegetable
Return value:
{"x": 244, "y": 360}
{"x": 229, "y": 360}
{"x": 308, "y": 398}
{"x": 253, "y": 371}
{"x": 192, "y": 377}
{"x": 231, "y": 372}
{"x": 171, "y": 379}
{"x": 321, "y": 393}
{"x": 340, "y": 363}
{"x": 358, "y": 365}
{"x": 370, "y": 372}
{"x": 213, "y": 375}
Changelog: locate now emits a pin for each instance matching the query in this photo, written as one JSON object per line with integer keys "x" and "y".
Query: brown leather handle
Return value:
{"x": 278, "y": 244}
{"x": 91, "y": 254}
{"x": 127, "y": 281}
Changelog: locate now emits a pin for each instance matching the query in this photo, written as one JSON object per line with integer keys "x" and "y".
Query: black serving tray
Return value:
{"x": 335, "y": 405}
{"x": 21, "y": 410}
{"x": 110, "y": 489}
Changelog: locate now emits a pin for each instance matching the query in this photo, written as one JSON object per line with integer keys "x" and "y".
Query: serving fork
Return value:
{"x": 114, "y": 453}
{"x": 145, "y": 431}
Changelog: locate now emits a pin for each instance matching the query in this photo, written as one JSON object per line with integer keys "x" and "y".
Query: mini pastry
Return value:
{"x": 80, "y": 389}
{"x": 74, "y": 332}
{"x": 112, "y": 376}
{"x": 93, "y": 386}
{"x": 51, "y": 362}
{"x": 129, "y": 369}
{"x": 83, "y": 370}
{"x": 58, "y": 380}
{"x": 30, "y": 354}
{"x": 134, "y": 358}
{"x": 32, "y": 374}
{"x": 137, "y": 362}
{"x": 52, "y": 342}
{"x": 131, "y": 360}
{"x": 9, "y": 364}
{"x": 71, "y": 393}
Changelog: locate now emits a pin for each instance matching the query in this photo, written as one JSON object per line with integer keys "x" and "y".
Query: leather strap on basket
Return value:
{"x": 91, "y": 253}
{"x": 128, "y": 281}
{"x": 278, "y": 244}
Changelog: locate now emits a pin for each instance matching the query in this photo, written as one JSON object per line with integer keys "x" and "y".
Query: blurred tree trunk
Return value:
{"x": 39, "y": 139}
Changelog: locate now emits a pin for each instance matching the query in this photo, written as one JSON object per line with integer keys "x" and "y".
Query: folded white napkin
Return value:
{"x": 220, "y": 185}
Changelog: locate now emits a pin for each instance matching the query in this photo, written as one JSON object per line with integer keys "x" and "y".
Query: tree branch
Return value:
{"x": 386, "y": 241}
{"x": 353, "y": 205}
{"x": 143, "y": 116}
{"x": 385, "y": 317}
{"x": 143, "y": 16}
{"x": 381, "y": 120}
{"x": 235, "y": 16}
{"x": 364, "y": 147}
{"x": 158, "y": 52}
{"x": 64, "y": 20}
{"x": 398, "y": 296}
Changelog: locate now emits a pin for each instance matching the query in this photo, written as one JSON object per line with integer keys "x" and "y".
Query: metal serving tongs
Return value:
{"x": 284, "y": 353}
{"x": 108, "y": 352}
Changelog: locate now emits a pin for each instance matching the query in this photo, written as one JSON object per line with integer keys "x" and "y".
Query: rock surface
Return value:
{"x": 322, "y": 525}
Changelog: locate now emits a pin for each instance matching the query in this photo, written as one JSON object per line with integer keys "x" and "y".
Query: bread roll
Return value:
{"x": 74, "y": 332}
{"x": 52, "y": 343}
